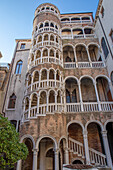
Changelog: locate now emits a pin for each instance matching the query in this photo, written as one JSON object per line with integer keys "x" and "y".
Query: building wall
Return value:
{"x": 17, "y": 81}
{"x": 107, "y": 25}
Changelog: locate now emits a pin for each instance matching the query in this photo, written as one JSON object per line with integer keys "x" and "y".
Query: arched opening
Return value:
{"x": 72, "y": 91}
{"x": 77, "y": 31}
{"x": 51, "y": 96}
{"x": 51, "y": 25}
{"x": 34, "y": 42}
{"x": 66, "y": 32}
{"x": 85, "y": 19}
{"x": 65, "y": 19}
{"x": 75, "y": 19}
{"x": 88, "y": 90}
{"x": 57, "y": 54}
{"x": 46, "y": 37}
{"x": 28, "y": 163}
{"x": 47, "y": 8}
{"x": 34, "y": 100}
{"x": 62, "y": 157}
{"x": 94, "y": 52}
{"x": 45, "y": 53}
{"x": 68, "y": 54}
{"x": 57, "y": 39}
{"x": 43, "y": 98}
{"x": 59, "y": 97}
{"x": 58, "y": 75}
{"x": 51, "y": 38}
{"x": 46, "y": 24}
{"x": 26, "y": 103}
{"x": 40, "y": 38}
{"x": 109, "y": 128}
{"x": 32, "y": 57}
{"x": 88, "y": 31}
{"x": 77, "y": 161}
{"x": 51, "y": 54}
{"x": 81, "y": 53}
{"x": 103, "y": 89}
{"x": 75, "y": 141}
{"x": 44, "y": 75}
{"x": 51, "y": 74}
{"x": 29, "y": 80}
{"x": 38, "y": 54}
{"x": 95, "y": 137}
{"x": 41, "y": 25}
{"x": 46, "y": 154}
{"x": 36, "y": 76}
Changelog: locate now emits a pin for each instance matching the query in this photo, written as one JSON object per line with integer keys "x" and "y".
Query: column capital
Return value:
{"x": 104, "y": 133}
{"x": 85, "y": 132}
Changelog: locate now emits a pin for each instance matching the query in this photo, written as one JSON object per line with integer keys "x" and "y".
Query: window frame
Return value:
{"x": 12, "y": 102}
{"x": 22, "y": 46}
{"x": 18, "y": 69}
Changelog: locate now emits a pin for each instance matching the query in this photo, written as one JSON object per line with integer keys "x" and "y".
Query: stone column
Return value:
{"x": 29, "y": 108}
{"x": 94, "y": 83}
{"x": 19, "y": 164}
{"x": 56, "y": 152}
{"x": 80, "y": 95}
{"x": 35, "y": 154}
{"x": 66, "y": 154}
{"x": 86, "y": 147}
{"x": 89, "y": 57}
{"x": 107, "y": 150}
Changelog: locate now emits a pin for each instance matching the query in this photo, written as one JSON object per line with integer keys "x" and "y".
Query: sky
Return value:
{"x": 16, "y": 19}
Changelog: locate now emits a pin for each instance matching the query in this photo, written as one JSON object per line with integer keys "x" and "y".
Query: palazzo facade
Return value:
{"x": 59, "y": 94}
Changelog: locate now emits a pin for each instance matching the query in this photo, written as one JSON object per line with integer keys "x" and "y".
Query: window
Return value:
{"x": 111, "y": 35}
{"x": 22, "y": 46}
{"x": 12, "y": 101}
{"x": 112, "y": 77}
{"x": 102, "y": 11}
{"x": 104, "y": 48}
{"x": 18, "y": 67}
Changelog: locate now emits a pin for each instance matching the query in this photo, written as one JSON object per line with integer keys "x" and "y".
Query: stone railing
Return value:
{"x": 43, "y": 84}
{"x": 46, "y": 43}
{"x": 81, "y": 36}
{"x": 44, "y": 60}
{"x": 46, "y": 29}
{"x": 89, "y": 107}
{"x": 76, "y": 147}
{"x": 73, "y": 65}
{"x": 97, "y": 158}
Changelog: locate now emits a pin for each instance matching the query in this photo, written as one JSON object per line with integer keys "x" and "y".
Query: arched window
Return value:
{"x": 12, "y": 101}
{"x": 104, "y": 48}
{"x": 18, "y": 67}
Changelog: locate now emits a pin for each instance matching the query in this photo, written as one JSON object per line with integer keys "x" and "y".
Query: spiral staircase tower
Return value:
{"x": 44, "y": 79}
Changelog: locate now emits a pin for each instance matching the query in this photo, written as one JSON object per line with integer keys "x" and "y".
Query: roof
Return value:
{"x": 21, "y": 40}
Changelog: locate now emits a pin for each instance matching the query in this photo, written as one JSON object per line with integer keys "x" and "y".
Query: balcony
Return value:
{"x": 46, "y": 43}
{"x": 73, "y": 65}
{"x": 89, "y": 107}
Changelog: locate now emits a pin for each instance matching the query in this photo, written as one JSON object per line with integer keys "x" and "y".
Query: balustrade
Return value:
{"x": 45, "y": 60}
{"x": 96, "y": 157}
{"x": 73, "y": 65}
{"x": 89, "y": 107}
{"x": 76, "y": 147}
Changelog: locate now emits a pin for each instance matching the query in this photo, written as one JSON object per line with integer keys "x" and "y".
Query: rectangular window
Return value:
{"x": 22, "y": 46}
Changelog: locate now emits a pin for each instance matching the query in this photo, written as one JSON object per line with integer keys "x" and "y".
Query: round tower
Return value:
{"x": 44, "y": 85}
